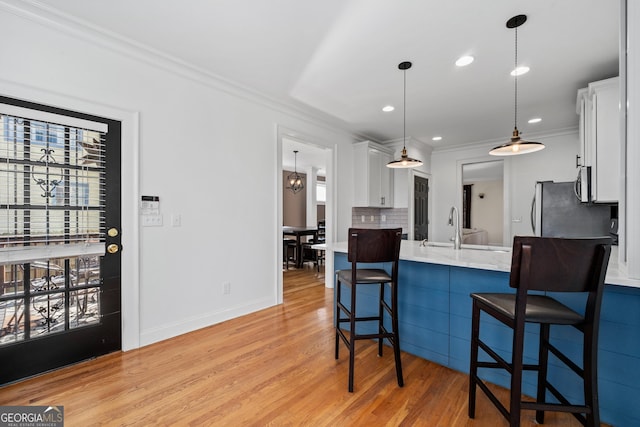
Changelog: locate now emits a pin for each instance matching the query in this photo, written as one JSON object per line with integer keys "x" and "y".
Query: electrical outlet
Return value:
{"x": 362, "y": 218}
{"x": 176, "y": 220}
{"x": 383, "y": 218}
{"x": 226, "y": 288}
{"x": 371, "y": 218}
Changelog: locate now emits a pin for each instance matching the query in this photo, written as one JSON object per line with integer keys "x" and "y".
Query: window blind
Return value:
{"x": 52, "y": 189}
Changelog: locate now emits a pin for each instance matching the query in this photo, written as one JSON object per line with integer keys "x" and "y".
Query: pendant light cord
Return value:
{"x": 515, "y": 72}
{"x": 404, "y": 111}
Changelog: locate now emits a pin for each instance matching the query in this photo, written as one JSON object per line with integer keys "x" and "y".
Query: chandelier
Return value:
{"x": 296, "y": 183}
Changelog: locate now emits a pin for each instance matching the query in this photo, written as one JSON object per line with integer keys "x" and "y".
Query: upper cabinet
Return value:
{"x": 373, "y": 179}
{"x": 599, "y": 108}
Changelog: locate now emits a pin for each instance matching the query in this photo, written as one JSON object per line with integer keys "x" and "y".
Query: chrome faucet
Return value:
{"x": 423, "y": 243}
{"x": 455, "y": 221}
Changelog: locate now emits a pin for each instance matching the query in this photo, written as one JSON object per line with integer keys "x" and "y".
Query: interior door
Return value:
{"x": 59, "y": 238}
{"x": 421, "y": 208}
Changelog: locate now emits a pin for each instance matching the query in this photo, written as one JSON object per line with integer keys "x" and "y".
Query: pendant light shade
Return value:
{"x": 295, "y": 181}
{"x": 405, "y": 161}
{"x": 516, "y": 145}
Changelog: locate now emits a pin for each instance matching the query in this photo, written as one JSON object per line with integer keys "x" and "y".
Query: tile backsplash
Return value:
{"x": 380, "y": 218}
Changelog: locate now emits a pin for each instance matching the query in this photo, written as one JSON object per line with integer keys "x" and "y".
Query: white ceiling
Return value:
{"x": 340, "y": 57}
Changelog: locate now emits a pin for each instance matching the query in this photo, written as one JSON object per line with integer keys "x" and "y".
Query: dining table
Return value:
{"x": 298, "y": 233}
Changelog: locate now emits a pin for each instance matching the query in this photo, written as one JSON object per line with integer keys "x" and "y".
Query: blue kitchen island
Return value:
{"x": 435, "y": 321}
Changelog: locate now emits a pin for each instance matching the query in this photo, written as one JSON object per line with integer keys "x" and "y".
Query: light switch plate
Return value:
{"x": 152, "y": 220}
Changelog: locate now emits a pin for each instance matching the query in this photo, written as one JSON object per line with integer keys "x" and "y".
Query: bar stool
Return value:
{"x": 547, "y": 265}
{"x": 289, "y": 251}
{"x": 367, "y": 246}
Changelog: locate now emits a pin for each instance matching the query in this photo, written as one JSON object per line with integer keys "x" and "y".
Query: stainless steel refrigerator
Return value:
{"x": 556, "y": 211}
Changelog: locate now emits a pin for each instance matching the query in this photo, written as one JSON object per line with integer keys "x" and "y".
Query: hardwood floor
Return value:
{"x": 275, "y": 367}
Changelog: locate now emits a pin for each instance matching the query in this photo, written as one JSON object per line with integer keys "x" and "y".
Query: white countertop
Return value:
{"x": 492, "y": 258}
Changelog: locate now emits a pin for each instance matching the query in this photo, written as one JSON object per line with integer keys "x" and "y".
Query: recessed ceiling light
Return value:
{"x": 388, "y": 108}
{"x": 464, "y": 60}
{"x": 535, "y": 120}
{"x": 520, "y": 71}
{"x": 436, "y": 138}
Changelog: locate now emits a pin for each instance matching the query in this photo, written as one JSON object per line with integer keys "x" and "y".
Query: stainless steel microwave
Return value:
{"x": 583, "y": 184}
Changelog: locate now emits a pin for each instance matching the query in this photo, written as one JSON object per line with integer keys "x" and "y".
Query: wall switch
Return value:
{"x": 371, "y": 218}
{"x": 226, "y": 288}
{"x": 362, "y": 219}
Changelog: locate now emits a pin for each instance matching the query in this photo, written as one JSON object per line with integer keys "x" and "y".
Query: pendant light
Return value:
{"x": 295, "y": 180}
{"x": 404, "y": 161}
{"x": 516, "y": 145}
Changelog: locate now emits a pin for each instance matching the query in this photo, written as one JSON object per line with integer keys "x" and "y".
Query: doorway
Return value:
{"x": 483, "y": 203}
{"x": 315, "y": 160}
{"x": 60, "y": 234}
{"x": 420, "y": 208}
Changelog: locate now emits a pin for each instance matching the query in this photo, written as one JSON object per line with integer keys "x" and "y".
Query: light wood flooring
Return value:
{"x": 275, "y": 367}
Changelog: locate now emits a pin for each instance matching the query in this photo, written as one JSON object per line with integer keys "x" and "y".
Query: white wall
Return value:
{"x": 631, "y": 227}
{"x": 556, "y": 162}
{"x": 191, "y": 127}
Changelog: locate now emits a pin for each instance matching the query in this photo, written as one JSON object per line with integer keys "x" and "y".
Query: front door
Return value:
{"x": 59, "y": 238}
{"x": 421, "y": 208}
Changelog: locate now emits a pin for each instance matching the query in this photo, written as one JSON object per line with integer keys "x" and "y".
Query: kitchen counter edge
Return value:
{"x": 491, "y": 258}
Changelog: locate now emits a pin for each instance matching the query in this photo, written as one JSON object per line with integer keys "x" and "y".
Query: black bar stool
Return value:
{"x": 368, "y": 246}
{"x": 553, "y": 265}
{"x": 289, "y": 252}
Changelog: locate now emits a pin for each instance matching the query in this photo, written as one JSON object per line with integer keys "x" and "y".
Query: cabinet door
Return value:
{"x": 599, "y": 132}
{"x": 380, "y": 180}
{"x": 606, "y": 173}
{"x": 375, "y": 179}
{"x": 386, "y": 181}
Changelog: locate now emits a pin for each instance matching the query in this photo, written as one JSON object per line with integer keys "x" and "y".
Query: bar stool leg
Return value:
{"x": 338, "y": 312}
{"x": 352, "y": 335}
{"x": 380, "y": 318}
{"x": 543, "y": 358}
{"x": 591, "y": 376}
{"x": 516, "y": 375}
{"x": 396, "y": 337}
{"x": 473, "y": 368}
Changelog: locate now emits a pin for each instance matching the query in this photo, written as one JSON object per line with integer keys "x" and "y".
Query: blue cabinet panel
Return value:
{"x": 427, "y": 298}
{"x": 469, "y": 280}
{"x": 621, "y": 305}
{"x": 621, "y": 408}
{"x": 434, "y": 341}
{"x": 422, "y": 275}
{"x": 460, "y": 327}
{"x": 423, "y": 318}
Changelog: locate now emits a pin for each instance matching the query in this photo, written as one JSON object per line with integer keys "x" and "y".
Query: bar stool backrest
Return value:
{"x": 558, "y": 264}
{"x": 370, "y": 245}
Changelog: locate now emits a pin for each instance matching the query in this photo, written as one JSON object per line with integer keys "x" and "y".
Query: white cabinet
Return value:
{"x": 599, "y": 130}
{"x": 373, "y": 179}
